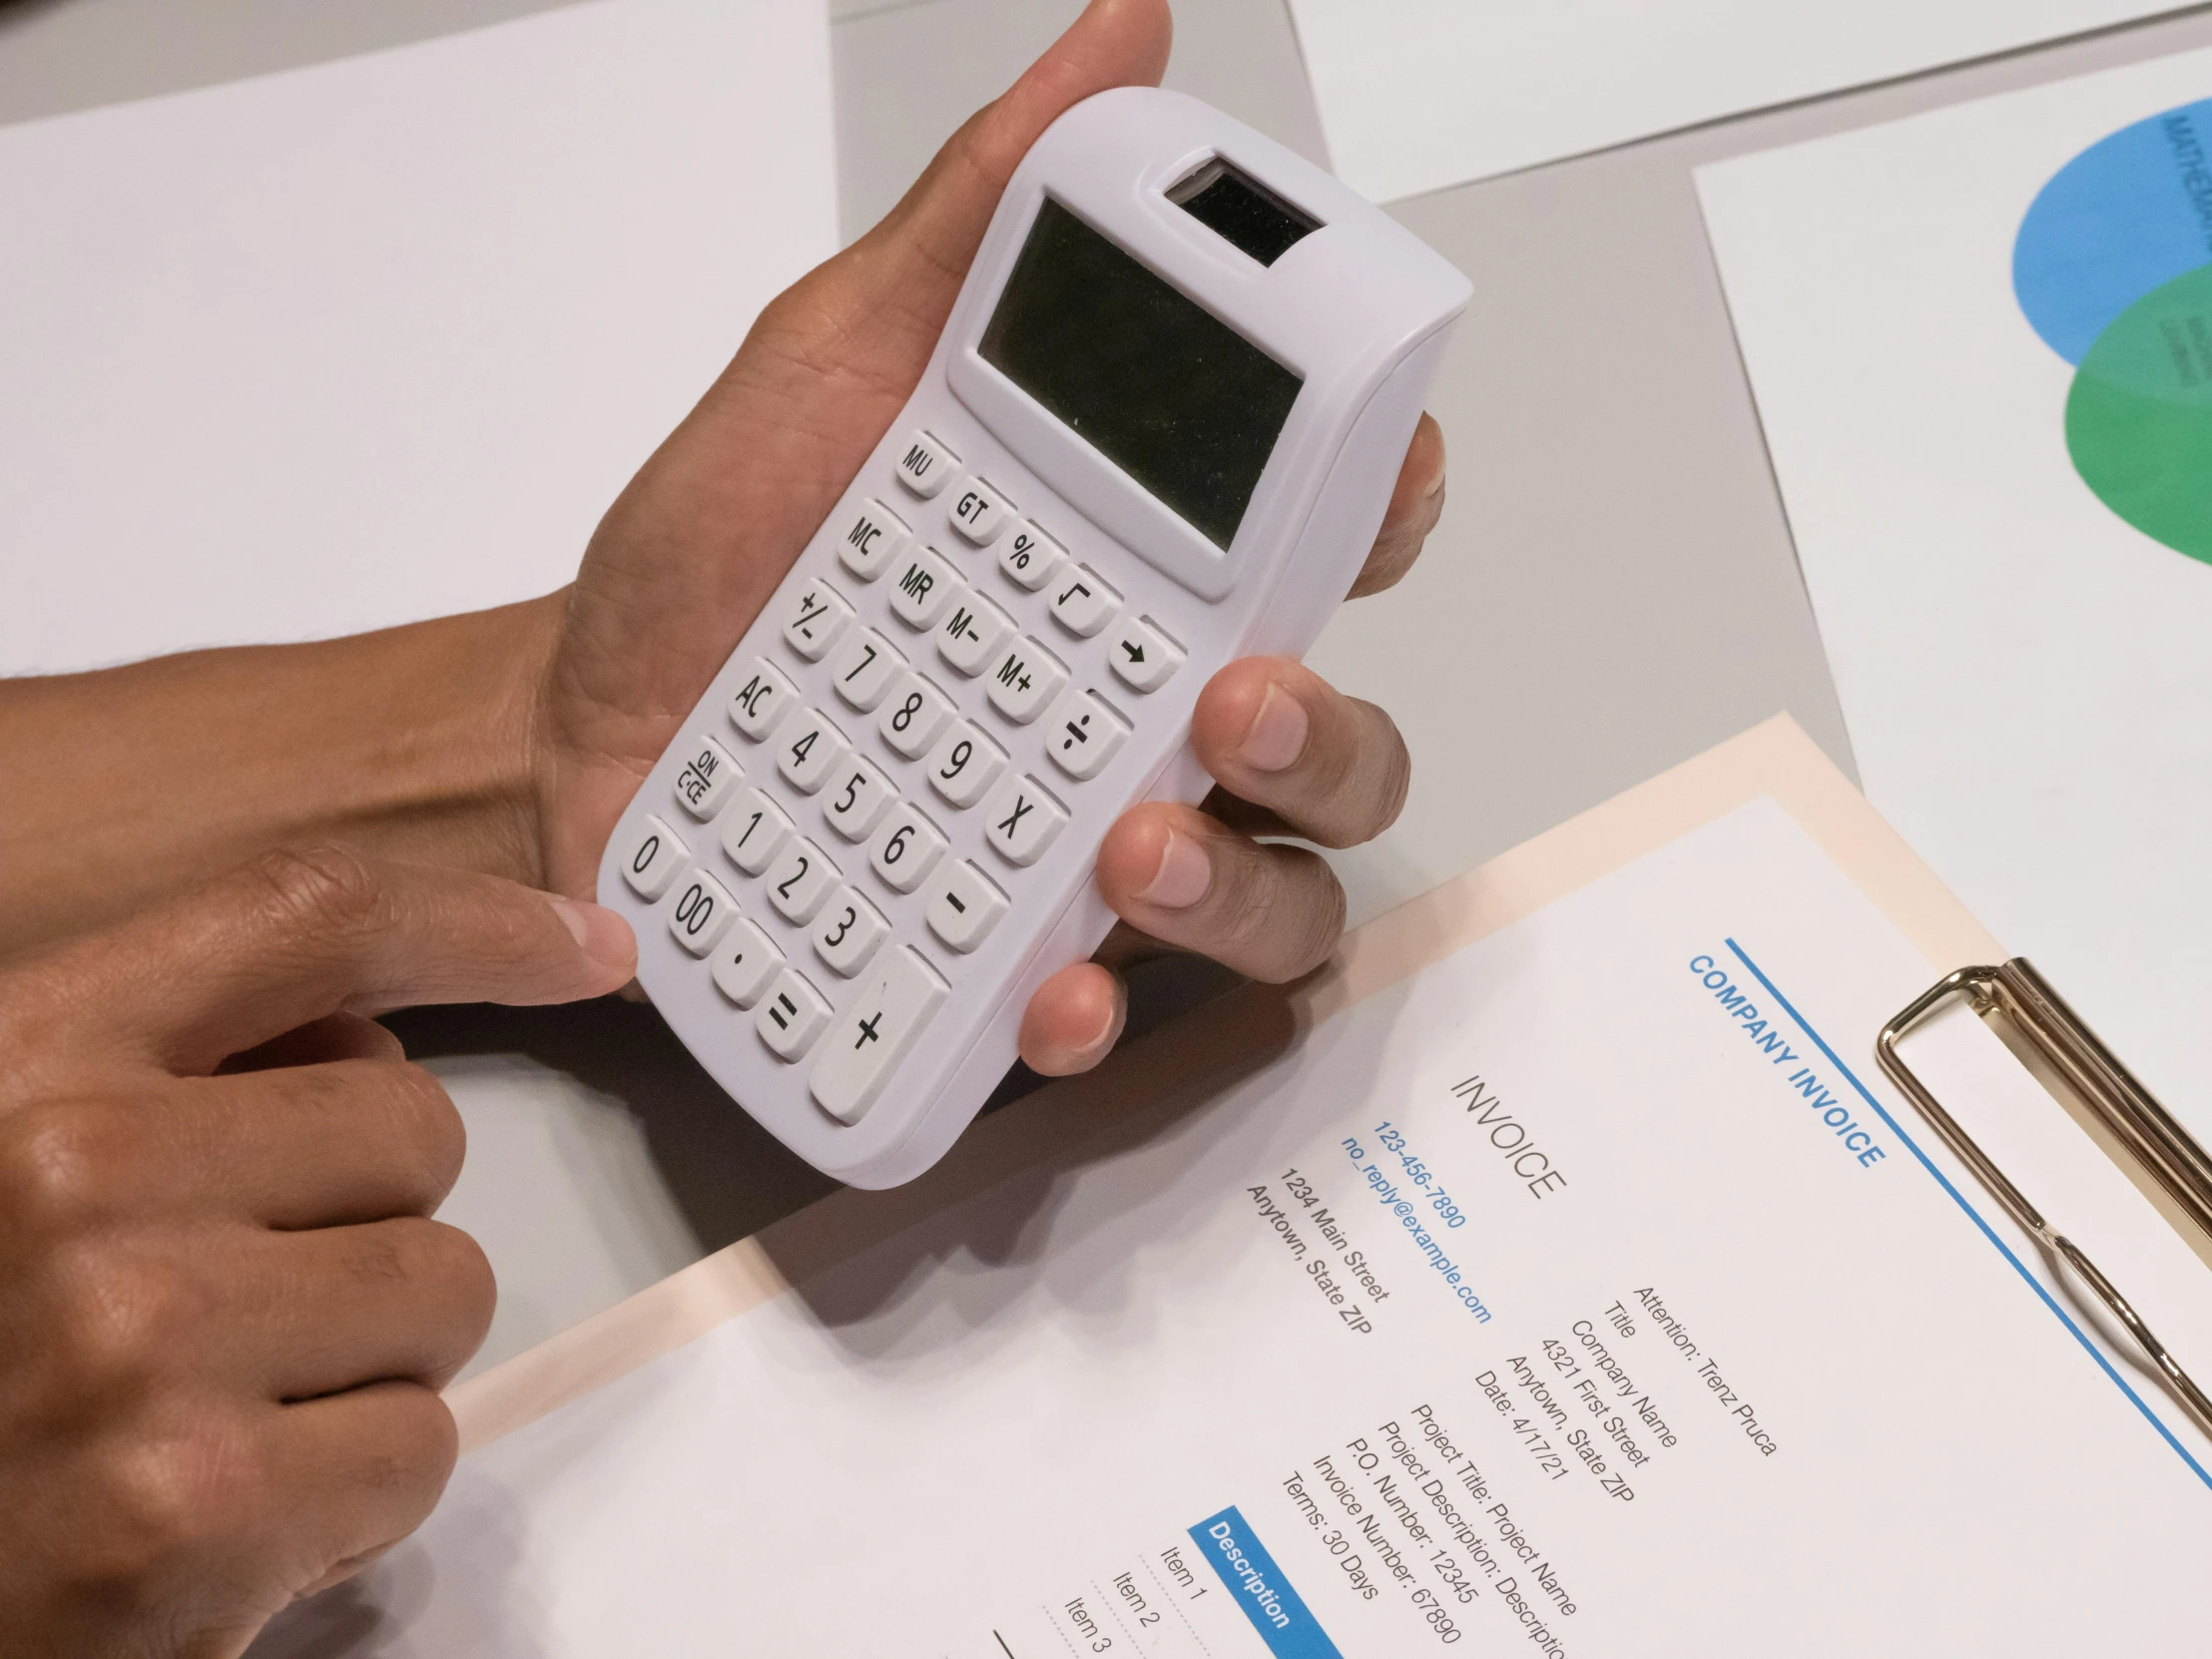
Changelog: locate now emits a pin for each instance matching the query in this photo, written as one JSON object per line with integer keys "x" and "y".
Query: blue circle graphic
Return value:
{"x": 2127, "y": 216}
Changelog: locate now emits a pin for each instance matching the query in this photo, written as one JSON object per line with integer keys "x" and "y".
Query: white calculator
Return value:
{"x": 1157, "y": 434}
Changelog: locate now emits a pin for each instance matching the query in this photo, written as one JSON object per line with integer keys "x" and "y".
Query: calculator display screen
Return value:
{"x": 1153, "y": 380}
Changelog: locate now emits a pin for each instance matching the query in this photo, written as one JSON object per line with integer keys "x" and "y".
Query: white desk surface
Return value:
{"x": 1613, "y": 588}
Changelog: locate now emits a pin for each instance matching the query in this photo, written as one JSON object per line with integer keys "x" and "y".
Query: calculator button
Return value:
{"x": 904, "y": 846}
{"x": 1021, "y": 819}
{"x": 964, "y": 764}
{"x": 808, "y": 748}
{"x": 818, "y": 616}
{"x": 745, "y": 962}
{"x": 1025, "y": 678}
{"x": 972, "y": 632}
{"x": 757, "y": 706}
{"x": 657, "y": 858}
{"x": 873, "y": 538}
{"x": 979, "y": 512}
{"x": 707, "y": 777}
{"x": 1083, "y": 600}
{"x": 799, "y": 879}
{"x": 874, "y": 1034}
{"x": 754, "y": 831}
{"x": 855, "y": 798}
{"x": 848, "y": 930}
{"x": 865, "y": 667}
{"x": 921, "y": 587}
{"x": 792, "y": 1015}
{"x": 1082, "y": 734}
{"x": 702, "y": 908}
{"x": 1030, "y": 556}
{"x": 964, "y": 905}
{"x": 927, "y": 466}
{"x": 912, "y": 716}
{"x": 1142, "y": 656}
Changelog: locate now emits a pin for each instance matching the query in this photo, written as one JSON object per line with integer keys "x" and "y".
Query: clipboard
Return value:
{"x": 2072, "y": 1062}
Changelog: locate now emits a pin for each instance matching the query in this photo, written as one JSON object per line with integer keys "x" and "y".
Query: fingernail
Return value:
{"x": 1277, "y": 735}
{"x": 1184, "y": 875}
{"x": 600, "y": 934}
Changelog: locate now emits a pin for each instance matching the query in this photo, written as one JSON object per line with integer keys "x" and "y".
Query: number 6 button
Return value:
{"x": 907, "y": 844}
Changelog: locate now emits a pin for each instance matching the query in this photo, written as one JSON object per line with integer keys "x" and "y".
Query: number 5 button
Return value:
{"x": 874, "y": 1034}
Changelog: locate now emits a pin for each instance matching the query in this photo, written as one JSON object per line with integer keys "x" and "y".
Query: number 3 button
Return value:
{"x": 848, "y": 930}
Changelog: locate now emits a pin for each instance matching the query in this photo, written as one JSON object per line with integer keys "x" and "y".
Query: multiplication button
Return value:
{"x": 1022, "y": 820}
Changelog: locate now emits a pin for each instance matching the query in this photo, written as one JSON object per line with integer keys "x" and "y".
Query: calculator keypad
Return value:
{"x": 837, "y": 726}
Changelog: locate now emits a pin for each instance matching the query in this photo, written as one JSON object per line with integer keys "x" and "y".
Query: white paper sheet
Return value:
{"x": 1573, "y": 1295}
{"x": 1417, "y": 95}
{"x": 2026, "y": 676}
{"x": 381, "y": 339}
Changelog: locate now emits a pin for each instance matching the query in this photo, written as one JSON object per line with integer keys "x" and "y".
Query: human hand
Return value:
{"x": 224, "y": 1308}
{"x": 693, "y": 547}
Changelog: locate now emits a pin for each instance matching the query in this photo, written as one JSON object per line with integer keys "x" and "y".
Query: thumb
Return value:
{"x": 295, "y": 936}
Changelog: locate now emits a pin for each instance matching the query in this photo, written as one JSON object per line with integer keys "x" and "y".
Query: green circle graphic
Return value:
{"x": 2140, "y": 417}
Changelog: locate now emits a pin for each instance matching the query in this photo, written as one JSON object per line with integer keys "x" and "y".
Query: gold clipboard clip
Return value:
{"x": 2111, "y": 1092}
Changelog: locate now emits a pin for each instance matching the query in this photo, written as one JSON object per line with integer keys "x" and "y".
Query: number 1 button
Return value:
{"x": 874, "y": 1034}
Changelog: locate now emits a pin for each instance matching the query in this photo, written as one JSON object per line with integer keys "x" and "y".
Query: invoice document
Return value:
{"x": 1585, "y": 1293}
{"x": 380, "y": 339}
{"x": 1417, "y": 95}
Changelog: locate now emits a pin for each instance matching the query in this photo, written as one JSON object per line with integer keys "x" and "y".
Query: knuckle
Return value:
{"x": 119, "y": 1315}
{"x": 157, "y": 1499}
{"x": 314, "y": 891}
{"x": 63, "y": 1166}
{"x": 422, "y": 1119}
{"x": 1302, "y": 908}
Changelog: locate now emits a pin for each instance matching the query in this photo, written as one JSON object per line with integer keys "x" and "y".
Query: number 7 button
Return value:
{"x": 874, "y": 1034}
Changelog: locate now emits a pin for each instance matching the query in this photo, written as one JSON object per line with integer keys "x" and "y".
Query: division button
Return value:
{"x": 928, "y": 465}
{"x": 1082, "y": 733}
{"x": 702, "y": 908}
{"x": 656, "y": 859}
{"x": 873, "y": 538}
{"x": 875, "y": 1033}
{"x": 1021, "y": 818}
{"x": 744, "y": 962}
{"x": 791, "y": 1015}
{"x": 707, "y": 777}
{"x": 964, "y": 905}
{"x": 1142, "y": 656}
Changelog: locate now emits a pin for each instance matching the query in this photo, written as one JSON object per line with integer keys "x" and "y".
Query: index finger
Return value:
{"x": 294, "y": 936}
